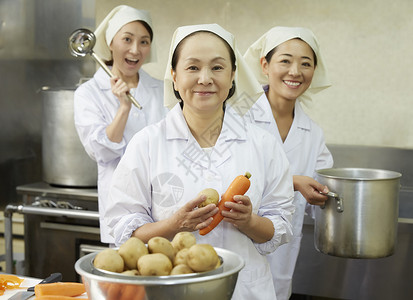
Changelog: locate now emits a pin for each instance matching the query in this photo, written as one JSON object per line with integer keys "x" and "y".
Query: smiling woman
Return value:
{"x": 203, "y": 143}
{"x": 288, "y": 61}
{"x": 203, "y": 71}
{"x": 130, "y": 47}
{"x": 104, "y": 117}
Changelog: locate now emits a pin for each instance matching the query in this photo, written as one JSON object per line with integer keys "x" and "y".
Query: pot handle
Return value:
{"x": 339, "y": 201}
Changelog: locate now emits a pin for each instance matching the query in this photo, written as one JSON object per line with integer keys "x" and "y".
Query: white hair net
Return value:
{"x": 247, "y": 88}
{"x": 113, "y": 22}
{"x": 278, "y": 35}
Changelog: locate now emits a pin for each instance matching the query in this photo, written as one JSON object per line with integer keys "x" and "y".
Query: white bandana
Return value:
{"x": 113, "y": 22}
{"x": 278, "y": 35}
{"x": 247, "y": 88}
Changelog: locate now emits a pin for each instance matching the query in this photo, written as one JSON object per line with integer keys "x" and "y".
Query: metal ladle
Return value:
{"x": 81, "y": 42}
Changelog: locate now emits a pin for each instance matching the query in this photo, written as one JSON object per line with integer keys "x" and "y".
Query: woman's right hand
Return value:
{"x": 188, "y": 218}
{"x": 120, "y": 89}
{"x": 191, "y": 218}
{"x": 310, "y": 189}
{"x": 115, "y": 129}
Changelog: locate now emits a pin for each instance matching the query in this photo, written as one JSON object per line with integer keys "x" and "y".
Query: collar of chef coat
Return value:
{"x": 261, "y": 112}
{"x": 233, "y": 130}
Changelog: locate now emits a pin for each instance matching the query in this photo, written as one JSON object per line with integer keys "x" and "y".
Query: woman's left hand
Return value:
{"x": 259, "y": 229}
{"x": 240, "y": 212}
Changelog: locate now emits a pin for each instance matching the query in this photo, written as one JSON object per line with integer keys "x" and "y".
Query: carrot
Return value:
{"x": 113, "y": 291}
{"x": 133, "y": 292}
{"x": 239, "y": 186}
{"x": 70, "y": 289}
{"x": 56, "y": 297}
{"x": 9, "y": 282}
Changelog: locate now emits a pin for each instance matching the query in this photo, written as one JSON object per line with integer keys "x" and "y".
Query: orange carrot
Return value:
{"x": 70, "y": 289}
{"x": 9, "y": 282}
{"x": 133, "y": 292}
{"x": 113, "y": 291}
{"x": 239, "y": 186}
{"x": 56, "y": 297}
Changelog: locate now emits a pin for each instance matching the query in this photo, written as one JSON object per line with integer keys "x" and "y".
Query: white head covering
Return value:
{"x": 247, "y": 88}
{"x": 278, "y": 35}
{"x": 113, "y": 22}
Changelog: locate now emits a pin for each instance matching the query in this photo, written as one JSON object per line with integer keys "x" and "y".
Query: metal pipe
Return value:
{"x": 59, "y": 212}
{"x": 8, "y": 236}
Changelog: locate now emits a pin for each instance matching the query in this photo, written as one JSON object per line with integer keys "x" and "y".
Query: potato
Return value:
{"x": 109, "y": 260}
{"x": 181, "y": 269}
{"x": 181, "y": 256}
{"x": 156, "y": 264}
{"x": 212, "y": 197}
{"x": 183, "y": 240}
{"x": 131, "y": 250}
{"x": 202, "y": 257}
{"x": 161, "y": 245}
{"x": 133, "y": 272}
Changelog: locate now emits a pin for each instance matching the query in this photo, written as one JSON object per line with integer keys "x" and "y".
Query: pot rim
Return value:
{"x": 358, "y": 174}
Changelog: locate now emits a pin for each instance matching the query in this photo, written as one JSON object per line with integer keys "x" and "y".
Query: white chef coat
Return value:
{"x": 95, "y": 106}
{"x": 164, "y": 167}
{"x": 306, "y": 151}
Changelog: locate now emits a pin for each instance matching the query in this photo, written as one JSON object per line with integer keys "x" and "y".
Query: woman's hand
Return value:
{"x": 259, "y": 229}
{"x": 119, "y": 89}
{"x": 115, "y": 129}
{"x": 191, "y": 218}
{"x": 240, "y": 212}
{"x": 188, "y": 218}
{"x": 310, "y": 189}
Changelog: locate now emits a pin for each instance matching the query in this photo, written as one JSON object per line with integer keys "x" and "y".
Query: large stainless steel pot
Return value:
{"x": 360, "y": 217}
{"x": 65, "y": 161}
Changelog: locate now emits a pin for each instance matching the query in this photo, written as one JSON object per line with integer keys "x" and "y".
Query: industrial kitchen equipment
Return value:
{"x": 61, "y": 225}
{"x": 360, "y": 221}
{"x": 64, "y": 159}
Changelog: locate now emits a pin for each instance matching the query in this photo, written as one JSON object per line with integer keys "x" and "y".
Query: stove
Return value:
{"x": 61, "y": 224}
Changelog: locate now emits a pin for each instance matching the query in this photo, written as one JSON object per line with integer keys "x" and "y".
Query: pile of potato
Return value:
{"x": 160, "y": 257}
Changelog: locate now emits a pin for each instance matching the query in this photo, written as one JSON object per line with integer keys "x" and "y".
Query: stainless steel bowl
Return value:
{"x": 215, "y": 286}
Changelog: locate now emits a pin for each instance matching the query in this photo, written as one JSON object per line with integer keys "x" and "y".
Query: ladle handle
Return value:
{"x": 133, "y": 100}
{"x": 107, "y": 70}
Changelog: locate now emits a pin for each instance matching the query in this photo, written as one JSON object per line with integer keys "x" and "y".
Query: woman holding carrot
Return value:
{"x": 289, "y": 64}
{"x": 200, "y": 145}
